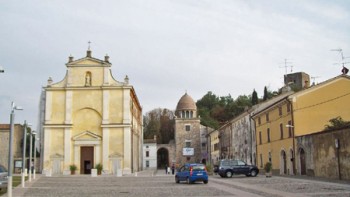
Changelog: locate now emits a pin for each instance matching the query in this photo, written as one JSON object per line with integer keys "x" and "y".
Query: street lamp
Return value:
{"x": 10, "y": 162}
{"x": 30, "y": 154}
{"x": 24, "y": 150}
{"x": 34, "y": 156}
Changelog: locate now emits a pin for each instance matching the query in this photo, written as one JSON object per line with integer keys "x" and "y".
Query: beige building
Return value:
{"x": 90, "y": 118}
{"x": 16, "y": 148}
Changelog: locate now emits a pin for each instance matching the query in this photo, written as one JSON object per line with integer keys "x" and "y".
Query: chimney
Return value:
{"x": 107, "y": 58}
{"x": 70, "y": 59}
{"x": 88, "y": 53}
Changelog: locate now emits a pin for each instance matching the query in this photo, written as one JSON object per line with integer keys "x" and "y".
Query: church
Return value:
{"x": 90, "y": 118}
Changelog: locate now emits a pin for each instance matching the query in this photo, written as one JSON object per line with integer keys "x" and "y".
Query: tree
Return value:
{"x": 159, "y": 122}
{"x": 337, "y": 123}
{"x": 255, "y": 99}
{"x": 265, "y": 94}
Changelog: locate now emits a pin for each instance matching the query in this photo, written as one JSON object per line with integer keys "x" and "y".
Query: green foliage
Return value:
{"x": 268, "y": 167}
{"x": 99, "y": 167}
{"x": 337, "y": 123}
{"x": 255, "y": 99}
{"x": 159, "y": 122}
{"x": 215, "y": 111}
{"x": 72, "y": 167}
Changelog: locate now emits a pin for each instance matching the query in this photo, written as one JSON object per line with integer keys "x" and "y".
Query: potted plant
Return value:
{"x": 99, "y": 168}
{"x": 268, "y": 169}
{"x": 72, "y": 168}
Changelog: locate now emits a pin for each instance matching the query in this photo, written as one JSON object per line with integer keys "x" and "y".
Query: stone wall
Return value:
{"x": 4, "y": 143}
{"x": 181, "y": 135}
{"x": 323, "y": 159}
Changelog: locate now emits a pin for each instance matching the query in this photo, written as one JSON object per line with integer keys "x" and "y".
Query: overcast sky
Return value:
{"x": 169, "y": 47}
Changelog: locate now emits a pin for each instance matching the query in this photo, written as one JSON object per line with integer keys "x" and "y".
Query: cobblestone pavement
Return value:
{"x": 157, "y": 184}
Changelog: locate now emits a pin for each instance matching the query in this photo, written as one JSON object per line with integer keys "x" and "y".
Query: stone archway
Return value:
{"x": 162, "y": 158}
{"x": 302, "y": 159}
{"x": 283, "y": 164}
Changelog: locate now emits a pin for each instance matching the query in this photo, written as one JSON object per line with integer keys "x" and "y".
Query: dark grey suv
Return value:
{"x": 228, "y": 167}
{"x": 3, "y": 177}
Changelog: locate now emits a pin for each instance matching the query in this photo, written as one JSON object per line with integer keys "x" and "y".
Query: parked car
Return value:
{"x": 228, "y": 167}
{"x": 191, "y": 173}
{"x": 3, "y": 177}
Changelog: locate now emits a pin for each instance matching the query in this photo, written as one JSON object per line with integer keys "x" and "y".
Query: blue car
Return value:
{"x": 191, "y": 173}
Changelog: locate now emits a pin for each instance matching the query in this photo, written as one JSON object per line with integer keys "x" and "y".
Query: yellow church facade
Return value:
{"x": 90, "y": 119}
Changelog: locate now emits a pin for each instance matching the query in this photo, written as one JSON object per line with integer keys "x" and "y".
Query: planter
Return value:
{"x": 268, "y": 174}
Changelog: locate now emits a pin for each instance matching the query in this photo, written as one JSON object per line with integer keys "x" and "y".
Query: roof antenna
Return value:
{"x": 344, "y": 70}
{"x": 286, "y": 66}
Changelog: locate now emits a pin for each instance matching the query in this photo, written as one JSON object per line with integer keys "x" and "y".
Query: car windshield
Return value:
{"x": 2, "y": 169}
{"x": 198, "y": 168}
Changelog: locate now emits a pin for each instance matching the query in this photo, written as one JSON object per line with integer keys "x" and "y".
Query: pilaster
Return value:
{"x": 127, "y": 151}
{"x": 105, "y": 103}
{"x": 105, "y": 147}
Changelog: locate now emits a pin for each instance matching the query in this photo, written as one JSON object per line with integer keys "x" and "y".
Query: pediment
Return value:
{"x": 88, "y": 61}
{"x": 87, "y": 136}
{"x": 56, "y": 156}
{"x": 115, "y": 156}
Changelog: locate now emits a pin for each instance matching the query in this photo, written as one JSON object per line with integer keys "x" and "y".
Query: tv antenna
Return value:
{"x": 286, "y": 65}
{"x": 342, "y": 56}
{"x": 313, "y": 79}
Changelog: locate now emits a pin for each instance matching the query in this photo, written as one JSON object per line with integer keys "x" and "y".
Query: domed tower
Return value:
{"x": 186, "y": 107}
{"x": 187, "y": 131}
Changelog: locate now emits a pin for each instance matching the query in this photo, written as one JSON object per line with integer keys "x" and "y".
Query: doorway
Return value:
{"x": 302, "y": 162}
{"x": 86, "y": 159}
{"x": 162, "y": 158}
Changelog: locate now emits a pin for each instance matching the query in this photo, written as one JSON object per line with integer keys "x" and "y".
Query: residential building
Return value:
{"x": 150, "y": 153}
{"x": 274, "y": 140}
{"x": 312, "y": 109}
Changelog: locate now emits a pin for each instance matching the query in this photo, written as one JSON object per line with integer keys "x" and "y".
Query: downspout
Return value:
{"x": 251, "y": 135}
{"x": 293, "y": 134}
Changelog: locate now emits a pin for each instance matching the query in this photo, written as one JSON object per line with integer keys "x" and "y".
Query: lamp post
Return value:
{"x": 34, "y": 156}
{"x": 10, "y": 158}
{"x": 30, "y": 155}
{"x": 24, "y": 151}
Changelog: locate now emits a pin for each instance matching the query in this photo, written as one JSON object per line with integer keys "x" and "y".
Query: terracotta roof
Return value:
{"x": 186, "y": 103}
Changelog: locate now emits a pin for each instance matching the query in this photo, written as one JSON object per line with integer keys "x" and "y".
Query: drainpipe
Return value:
{"x": 251, "y": 134}
{"x": 293, "y": 133}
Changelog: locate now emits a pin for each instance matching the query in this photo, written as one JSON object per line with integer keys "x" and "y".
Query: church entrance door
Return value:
{"x": 86, "y": 159}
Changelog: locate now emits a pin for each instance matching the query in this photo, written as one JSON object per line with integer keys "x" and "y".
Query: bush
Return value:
{"x": 99, "y": 168}
{"x": 73, "y": 167}
{"x": 268, "y": 167}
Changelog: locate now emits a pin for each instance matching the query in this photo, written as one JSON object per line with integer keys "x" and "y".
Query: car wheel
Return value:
{"x": 228, "y": 174}
{"x": 177, "y": 180}
{"x": 253, "y": 173}
{"x": 205, "y": 182}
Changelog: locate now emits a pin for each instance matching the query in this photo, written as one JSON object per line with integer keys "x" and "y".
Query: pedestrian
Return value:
{"x": 173, "y": 169}
{"x": 166, "y": 169}
{"x": 169, "y": 170}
